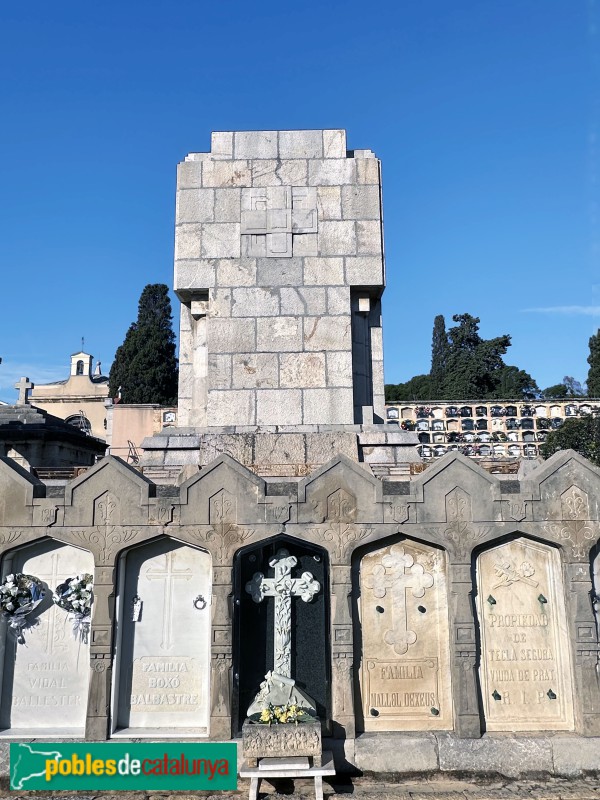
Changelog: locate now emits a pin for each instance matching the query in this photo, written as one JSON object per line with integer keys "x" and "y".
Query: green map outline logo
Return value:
{"x": 123, "y": 766}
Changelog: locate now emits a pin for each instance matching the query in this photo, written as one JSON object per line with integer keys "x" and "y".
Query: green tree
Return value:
{"x": 417, "y": 388}
{"x": 582, "y": 435}
{"x": 466, "y": 367}
{"x": 515, "y": 382}
{"x": 593, "y": 378}
{"x": 473, "y": 364}
{"x": 439, "y": 355}
{"x": 568, "y": 388}
{"x": 145, "y": 367}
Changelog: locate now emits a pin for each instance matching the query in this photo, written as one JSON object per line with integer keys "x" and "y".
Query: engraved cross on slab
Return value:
{"x": 169, "y": 575}
{"x": 392, "y": 574}
{"x": 271, "y": 216}
{"x": 283, "y": 587}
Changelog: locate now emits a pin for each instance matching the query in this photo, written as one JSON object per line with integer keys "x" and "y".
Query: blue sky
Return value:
{"x": 486, "y": 116}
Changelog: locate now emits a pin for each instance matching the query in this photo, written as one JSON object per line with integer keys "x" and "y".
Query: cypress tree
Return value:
{"x": 145, "y": 367}
{"x": 593, "y": 379}
{"x": 439, "y": 354}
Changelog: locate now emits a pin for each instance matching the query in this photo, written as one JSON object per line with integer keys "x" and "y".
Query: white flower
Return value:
{"x": 89, "y": 587}
{"x": 10, "y": 606}
{"x": 10, "y": 578}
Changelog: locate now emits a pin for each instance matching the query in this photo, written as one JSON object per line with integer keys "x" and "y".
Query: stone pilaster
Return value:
{"x": 463, "y": 651}
{"x": 101, "y": 638}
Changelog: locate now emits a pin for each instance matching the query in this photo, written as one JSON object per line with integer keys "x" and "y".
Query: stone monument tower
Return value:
{"x": 279, "y": 266}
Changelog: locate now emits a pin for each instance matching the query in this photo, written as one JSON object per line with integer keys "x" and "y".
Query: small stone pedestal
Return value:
{"x": 281, "y": 741}
{"x": 286, "y": 769}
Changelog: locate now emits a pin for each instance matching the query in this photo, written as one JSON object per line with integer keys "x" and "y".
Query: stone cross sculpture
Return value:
{"x": 24, "y": 386}
{"x": 283, "y": 587}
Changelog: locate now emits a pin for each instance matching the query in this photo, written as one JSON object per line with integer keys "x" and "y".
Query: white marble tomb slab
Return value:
{"x": 45, "y": 681}
{"x": 405, "y": 672}
{"x": 164, "y": 656}
{"x": 525, "y": 659}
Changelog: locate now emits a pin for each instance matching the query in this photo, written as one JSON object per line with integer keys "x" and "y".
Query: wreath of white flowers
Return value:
{"x": 75, "y": 596}
{"x": 20, "y": 594}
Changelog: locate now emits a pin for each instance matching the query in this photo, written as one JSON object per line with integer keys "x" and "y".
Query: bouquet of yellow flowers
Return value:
{"x": 282, "y": 715}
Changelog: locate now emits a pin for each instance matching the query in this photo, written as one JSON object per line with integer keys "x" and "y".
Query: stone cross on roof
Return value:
{"x": 23, "y": 387}
{"x": 283, "y": 587}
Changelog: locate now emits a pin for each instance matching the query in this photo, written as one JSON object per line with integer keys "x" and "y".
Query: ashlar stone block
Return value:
{"x": 236, "y": 407}
{"x": 255, "y": 302}
{"x": 255, "y": 144}
{"x": 189, "y": 175}
{"x": 226, "y": 173}
{"x": 323, "y": 271}
{"x": 221, "y": 240}
{"x": 285, "y": 448}
{"x": 220, "y": 302}
{"x": 337, "y": 238}
{"x": 328, "y": 407}
{"x": 236, "y": 272}
{"x": 278, "y": 406}
{"x": 338, "y": 300}
{"x": 306, "y": 245}
{"x": 227, "y": 205}
{"x": 361, "y": 202}
{"x": 303, "y": 300}
{"x": 188, "y": 241}
{"x": 327, "y": 333}
{"x": 255, "y": 371}
{"x": 221, "y": 144}
{"x": 302, "y": 370}
{"x": 279, "y": 272}
{"x": 367, "y": 170}
{"x": 231, "y": 335}
{"x": 198, "y": 274}
{"x": 339, "y": 369}
{"x": 334, "y": 143}
{"x": 279, "y": 334}
{"x": 331, "y": 172}
{"x": 364, "y": 271}
{"x": 300, "y": 144}
{"x": 271, "y": 172}
{"x": 195, "y": 205}
{"x": 329, "y": 202}
{"x": 369, "y": 238}
{"x": 219, "y": 371}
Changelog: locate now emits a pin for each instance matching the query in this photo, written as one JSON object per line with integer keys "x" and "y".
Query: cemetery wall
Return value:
{"x": 455, "y": 626}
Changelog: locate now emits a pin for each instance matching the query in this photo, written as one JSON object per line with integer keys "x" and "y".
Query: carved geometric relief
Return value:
{"x": 273, "y": 216}
{"x": 405, "y": 670}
